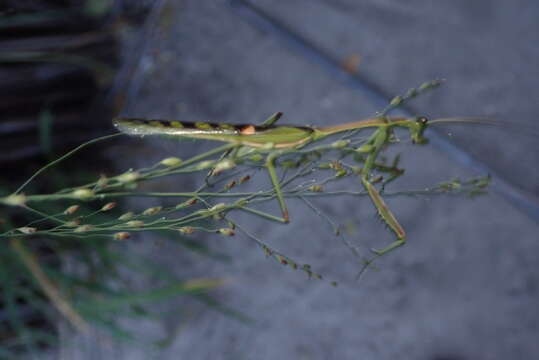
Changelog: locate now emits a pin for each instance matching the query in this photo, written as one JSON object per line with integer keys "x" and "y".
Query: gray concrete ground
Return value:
{"x": 465, "y": 286}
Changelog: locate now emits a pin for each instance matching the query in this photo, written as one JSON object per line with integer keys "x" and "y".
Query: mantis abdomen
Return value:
{"x": 271, "y": 137}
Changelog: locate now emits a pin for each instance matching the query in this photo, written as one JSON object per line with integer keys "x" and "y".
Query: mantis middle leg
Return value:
{"x": 270, "y": 165}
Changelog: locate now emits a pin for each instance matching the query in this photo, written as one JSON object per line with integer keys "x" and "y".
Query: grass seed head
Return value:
{"x": 83, "y": 194}
{"x": 135, "y": 223}
{"x": 245, "y": 179}
{"x": 73, "y": 223}
{"x": 15, "y": 200}
{"x": 171, "y": 161}
{"x": 71, "y": 210}
{"x": 108, "y": 206}
{"x": 122, "y": 235}
{"x": 83, "y": 228}
{"x": 226, "y": 232}
{"x": 186, "y": 230}
{"x": 152, "y": 211}
{"x": 128, "y": 177}
{"x": 126, "y": 216}
{"x": 27, "y": 229}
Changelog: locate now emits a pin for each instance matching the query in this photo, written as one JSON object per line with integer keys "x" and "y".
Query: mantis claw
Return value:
{"x": 389, "y": 248}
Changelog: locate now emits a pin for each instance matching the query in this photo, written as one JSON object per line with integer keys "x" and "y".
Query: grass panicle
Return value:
{"x": 89, "y": 223}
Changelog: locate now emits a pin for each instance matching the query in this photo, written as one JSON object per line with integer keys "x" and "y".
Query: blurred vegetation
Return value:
{"x": 57, "y": 84}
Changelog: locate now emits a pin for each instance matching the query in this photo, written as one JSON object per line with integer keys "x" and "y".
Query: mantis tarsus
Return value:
{"x": 277, "y": 140}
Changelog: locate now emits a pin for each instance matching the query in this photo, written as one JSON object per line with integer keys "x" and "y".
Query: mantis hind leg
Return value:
{"x": 270, "y": 165}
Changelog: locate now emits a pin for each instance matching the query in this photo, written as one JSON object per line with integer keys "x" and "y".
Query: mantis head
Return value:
{"x": 417, "y": 126}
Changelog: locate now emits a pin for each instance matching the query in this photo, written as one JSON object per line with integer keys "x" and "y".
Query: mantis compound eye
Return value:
{"x": 422, "y": 120}
{"x": 418, "y": 129}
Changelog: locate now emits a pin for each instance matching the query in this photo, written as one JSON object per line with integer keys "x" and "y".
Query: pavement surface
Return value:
{"x": 466, "y": 286}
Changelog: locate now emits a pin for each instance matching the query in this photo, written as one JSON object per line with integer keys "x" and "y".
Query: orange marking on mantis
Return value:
{"x": 248, "y": 130}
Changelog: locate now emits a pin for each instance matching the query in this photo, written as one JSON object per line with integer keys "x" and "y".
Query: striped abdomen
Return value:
{"x": 135, "y": 126}
{"x": 246, "y": 134}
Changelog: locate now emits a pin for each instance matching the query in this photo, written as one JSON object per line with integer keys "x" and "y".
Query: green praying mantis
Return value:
{"x": 276, "y": 140}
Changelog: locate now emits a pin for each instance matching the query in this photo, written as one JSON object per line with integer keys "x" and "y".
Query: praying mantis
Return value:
{"x": 276, "y": 140}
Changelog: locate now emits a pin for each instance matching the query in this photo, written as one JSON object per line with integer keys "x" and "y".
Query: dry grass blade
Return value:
{"x": 49, "y": 288}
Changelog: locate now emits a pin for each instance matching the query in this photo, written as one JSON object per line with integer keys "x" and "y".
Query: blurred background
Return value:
{"x": 466, "y": 286}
